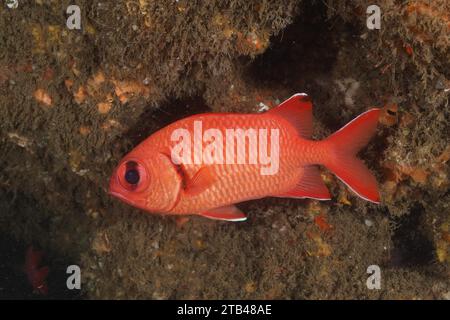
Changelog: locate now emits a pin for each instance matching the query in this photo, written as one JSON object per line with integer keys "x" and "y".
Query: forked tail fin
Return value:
{"x": 343, "y": 146}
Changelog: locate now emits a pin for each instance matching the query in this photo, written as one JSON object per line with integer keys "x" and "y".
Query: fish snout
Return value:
{"x": 113, "y": 186}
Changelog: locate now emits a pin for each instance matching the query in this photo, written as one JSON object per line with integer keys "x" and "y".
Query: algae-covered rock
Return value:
{"x": 73, "y": 102}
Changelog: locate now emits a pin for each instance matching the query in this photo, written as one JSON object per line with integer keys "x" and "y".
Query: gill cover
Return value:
{"x": 166, "y": 190}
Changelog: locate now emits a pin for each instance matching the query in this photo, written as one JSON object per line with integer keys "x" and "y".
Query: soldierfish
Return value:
{"x": 152, "y": 179}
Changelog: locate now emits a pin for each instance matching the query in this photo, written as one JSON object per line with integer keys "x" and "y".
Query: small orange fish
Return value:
{"x": 204, "y": 164}
{"x": 35, "y": 273}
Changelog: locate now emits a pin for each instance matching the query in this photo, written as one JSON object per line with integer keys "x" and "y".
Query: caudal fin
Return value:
{"x": 343, "y": 146}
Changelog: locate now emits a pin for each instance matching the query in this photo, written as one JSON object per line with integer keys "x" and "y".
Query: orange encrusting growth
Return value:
{"x": 212, "y": 189}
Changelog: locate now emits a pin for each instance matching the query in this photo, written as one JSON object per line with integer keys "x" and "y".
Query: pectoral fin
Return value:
{"x": 201, "y": 181}
{"x": 227, "y": 213}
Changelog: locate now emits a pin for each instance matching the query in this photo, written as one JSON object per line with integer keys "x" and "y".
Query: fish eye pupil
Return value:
{"x": 132, "y": 176}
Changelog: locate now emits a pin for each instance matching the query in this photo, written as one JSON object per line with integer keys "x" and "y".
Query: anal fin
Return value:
{"x": 310, "y": 185}
{"x": 227, "y": 213}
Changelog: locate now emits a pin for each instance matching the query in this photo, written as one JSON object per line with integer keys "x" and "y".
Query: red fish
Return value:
{"x": 206, "y": 175}
{"x": 36, "y": 274}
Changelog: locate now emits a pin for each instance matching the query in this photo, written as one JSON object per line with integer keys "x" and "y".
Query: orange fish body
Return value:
{"x": 205, "y": 163}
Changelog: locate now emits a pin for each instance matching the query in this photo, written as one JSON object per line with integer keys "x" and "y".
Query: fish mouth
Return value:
{"x": 124, "y": 199}
{"x": 116, "y": 190}
{"x": 117, "y": 195}
{"x": 120, "y": 196}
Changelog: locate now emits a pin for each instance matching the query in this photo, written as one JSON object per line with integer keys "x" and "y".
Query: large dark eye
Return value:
{"x": 133, "y": 176}
{"x": 131, "y": 172}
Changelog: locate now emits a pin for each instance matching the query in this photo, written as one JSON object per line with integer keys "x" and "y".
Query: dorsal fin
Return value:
{"x": 298, "y": 111}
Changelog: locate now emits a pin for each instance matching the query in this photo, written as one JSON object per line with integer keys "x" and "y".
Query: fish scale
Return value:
{"x": 241, "y": 182}
{"x": 164, "y": 185}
